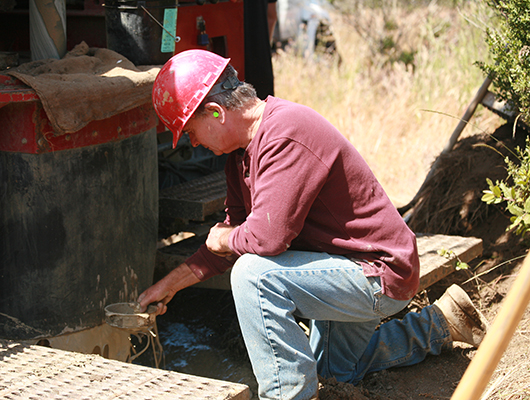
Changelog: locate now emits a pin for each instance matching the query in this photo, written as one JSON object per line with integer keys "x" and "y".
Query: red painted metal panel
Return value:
{"x": 19, "y": 131}
{"x": 11, "y": 89}
{"x": 223, "y": 22}
{"x": 118, "y": 127}
{"x": 25, "y": 128}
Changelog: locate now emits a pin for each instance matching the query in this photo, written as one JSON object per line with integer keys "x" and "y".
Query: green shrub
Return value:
{"x": 515, "y": 190}
{"x": 509, "y": 45}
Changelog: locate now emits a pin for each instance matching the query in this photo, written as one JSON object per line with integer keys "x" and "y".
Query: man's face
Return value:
{"x": 206, "y": 130}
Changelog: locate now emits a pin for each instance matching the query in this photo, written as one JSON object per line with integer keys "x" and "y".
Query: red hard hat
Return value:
{"x": 182, "y": 84}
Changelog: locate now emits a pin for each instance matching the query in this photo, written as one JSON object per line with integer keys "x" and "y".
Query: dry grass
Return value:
{"x": 511, "y": 377}
{"x": 398, "y": 116}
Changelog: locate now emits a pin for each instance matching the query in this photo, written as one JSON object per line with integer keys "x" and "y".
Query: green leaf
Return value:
{"x": 527, "y": 205}
{"x": 461, "y": 265}
{"x": 515, "y": 210}
{"x": 506, "y": 190}
{"x": 515, "y": 221}
{"x": 488, "y": 197}
{"x": 496, "y": 191}
{"x": 444, "y": 252}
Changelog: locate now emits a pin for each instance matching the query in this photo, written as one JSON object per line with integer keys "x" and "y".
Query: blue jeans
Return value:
{"x": 344, "y": 307}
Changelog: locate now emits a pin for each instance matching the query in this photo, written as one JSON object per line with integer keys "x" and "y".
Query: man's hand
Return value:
{"x": 217, "y": 240}
{"x": 164, "y": 290}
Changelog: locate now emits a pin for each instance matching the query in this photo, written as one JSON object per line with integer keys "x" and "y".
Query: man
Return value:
{"x": 312, "y": 234}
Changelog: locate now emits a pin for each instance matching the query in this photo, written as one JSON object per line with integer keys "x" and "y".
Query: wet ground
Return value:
{"x": 201, "y": 337}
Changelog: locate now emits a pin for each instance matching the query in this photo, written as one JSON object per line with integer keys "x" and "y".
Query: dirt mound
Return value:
{"x": 451, "y": 200}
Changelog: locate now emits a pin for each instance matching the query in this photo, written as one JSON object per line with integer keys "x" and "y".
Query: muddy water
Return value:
{"x": 201, "y": 337}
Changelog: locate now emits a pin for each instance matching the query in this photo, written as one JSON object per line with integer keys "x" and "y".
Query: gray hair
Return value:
{"x": 231, "y": 99}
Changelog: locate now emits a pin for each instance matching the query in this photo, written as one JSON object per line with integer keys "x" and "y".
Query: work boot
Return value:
{"x": 466, "y": 323}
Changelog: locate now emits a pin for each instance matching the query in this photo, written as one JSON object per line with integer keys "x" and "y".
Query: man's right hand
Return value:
{"x": 163, "y": 291}
{"x": 217, "y": 240}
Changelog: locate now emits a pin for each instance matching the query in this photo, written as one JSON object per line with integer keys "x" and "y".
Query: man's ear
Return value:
{"x": 215, "y": 110}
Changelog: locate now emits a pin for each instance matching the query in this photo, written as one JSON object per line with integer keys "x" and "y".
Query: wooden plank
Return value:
{"x": 434, "y": 267}
{"x": 36, "y": 372}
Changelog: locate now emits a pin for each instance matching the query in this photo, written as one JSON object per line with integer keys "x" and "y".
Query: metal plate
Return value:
{"x": 35, "y": 372}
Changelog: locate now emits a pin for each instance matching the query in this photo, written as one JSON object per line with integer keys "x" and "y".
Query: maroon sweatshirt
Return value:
{"x": 301, "y": 185}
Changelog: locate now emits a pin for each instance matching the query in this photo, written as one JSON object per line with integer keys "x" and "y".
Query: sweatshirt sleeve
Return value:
{"x": 236, "y": 212}
{"x": 288, "y": 179}
{"x": 204, "y": 264}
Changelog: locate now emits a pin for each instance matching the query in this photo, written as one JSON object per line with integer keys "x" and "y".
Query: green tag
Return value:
{"x": 170, "y": 24}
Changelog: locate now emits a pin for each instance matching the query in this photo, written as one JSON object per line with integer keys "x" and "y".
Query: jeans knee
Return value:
{"x": 242, "y": 271}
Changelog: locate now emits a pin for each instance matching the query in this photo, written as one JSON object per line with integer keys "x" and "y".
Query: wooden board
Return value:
{"x": 434, "y": 267}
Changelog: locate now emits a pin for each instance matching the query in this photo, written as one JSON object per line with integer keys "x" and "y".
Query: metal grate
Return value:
{"x": 195, "y": 199}
{"x": 35, "y": 372}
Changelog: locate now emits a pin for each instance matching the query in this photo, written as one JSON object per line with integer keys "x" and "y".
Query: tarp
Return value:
{"x": 87, "y": 84}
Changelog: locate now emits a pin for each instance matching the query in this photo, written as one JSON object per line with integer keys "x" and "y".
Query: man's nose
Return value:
{"x": 193, "y": 140}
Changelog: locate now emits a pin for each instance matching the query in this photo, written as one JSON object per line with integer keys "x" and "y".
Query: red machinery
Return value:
{"x": 215, "y": 25}
{"x": 79, "y": 212}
